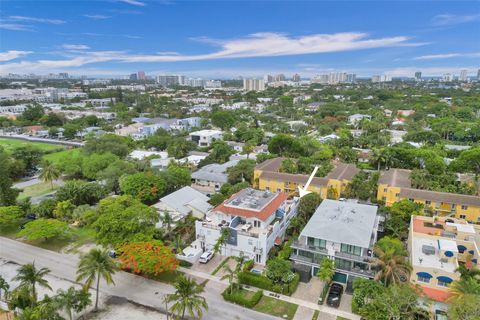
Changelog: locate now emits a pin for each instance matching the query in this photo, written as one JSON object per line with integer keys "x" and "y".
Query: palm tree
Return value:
{"x": 232, "y": 274}
{"x": 378, "y": 156}
{"x": 4, "y": 286}
{"x": 187, "y": 298}
{"x": 94, "y": 265}
{"x": 72, "y": 300}
{"x": 461, "y": 288}
{"x": 49, "y": 173}
{"x": 392, "y": 268}
{"x": 327, "y": 270}
{"x": 222, "y": 240}
{"x": 28, "y": 275}
{"x": 177, "y": 243}
{"x": 466, "y": 273}
{"x": 167, "y": 220}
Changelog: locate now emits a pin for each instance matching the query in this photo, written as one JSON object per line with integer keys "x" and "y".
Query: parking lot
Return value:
{"x": 210, "y": 266}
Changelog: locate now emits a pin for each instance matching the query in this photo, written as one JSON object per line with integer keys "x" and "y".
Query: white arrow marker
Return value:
{"x": 303, "y": 191}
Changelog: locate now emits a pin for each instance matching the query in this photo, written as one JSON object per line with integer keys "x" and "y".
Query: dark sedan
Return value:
{"x": 335, "y": 295}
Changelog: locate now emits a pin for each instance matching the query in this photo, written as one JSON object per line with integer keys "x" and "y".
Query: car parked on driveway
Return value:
{"x": 335, "y": 295}
{"x": 206, "y": 256}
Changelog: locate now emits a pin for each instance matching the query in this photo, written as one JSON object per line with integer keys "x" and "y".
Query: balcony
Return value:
{"x": 363, "y": 258}
{"x": 353, "y": 270}
{"x": 302, "y": 246}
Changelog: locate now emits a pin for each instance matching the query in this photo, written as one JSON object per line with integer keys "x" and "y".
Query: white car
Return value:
{"x": 206, "y": 256}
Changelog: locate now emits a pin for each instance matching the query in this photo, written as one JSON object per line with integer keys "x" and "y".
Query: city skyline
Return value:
{"x": 242, "y": 38}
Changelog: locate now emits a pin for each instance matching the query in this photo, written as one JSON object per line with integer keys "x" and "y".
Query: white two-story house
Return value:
{"x": 256, "y": 221}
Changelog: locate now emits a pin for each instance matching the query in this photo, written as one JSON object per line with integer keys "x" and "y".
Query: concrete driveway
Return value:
{"x": 209, "y": 266}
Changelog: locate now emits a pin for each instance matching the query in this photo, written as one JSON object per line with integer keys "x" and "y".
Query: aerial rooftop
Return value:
{"x": 343, "y": 222}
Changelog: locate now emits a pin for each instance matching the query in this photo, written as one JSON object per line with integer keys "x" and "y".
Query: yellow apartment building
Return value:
{"x": 395, "y": 185}
{"x": 268, "y": 177}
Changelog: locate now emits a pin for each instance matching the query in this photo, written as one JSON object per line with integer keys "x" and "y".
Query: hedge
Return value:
{"x": 238, "y": 297}
{"x": 262, "y": 282}
{"x": 248, "y": 265}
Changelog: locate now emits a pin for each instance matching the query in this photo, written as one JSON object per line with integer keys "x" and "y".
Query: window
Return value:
{"x": 384, "y": 189}
{"x": 464, "y": 207}
{"x": 441, "y": 283}
{"x": 250, "y": 242}
{"x": 343, "y": 264}
{"x": 256, "y": 223}
{"x": 454, "y": 206}
{"x": 462, "y": 216}
{"x": 267, "y": 188}
{"x": 423, "y": 279}
{"x": 428, "y": 202}
{"x": 318, "y": 243}
{"x": 346, "y": 248}
{"x": 279, "y": 190}
{"x": 397, "y": 194}
{"x": 384, "y": 198}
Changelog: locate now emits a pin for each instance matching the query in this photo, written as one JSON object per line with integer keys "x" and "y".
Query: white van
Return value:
{"x": 206, "y": 256}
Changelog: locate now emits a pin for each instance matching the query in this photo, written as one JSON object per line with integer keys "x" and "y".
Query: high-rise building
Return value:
{"x": 280, "y": 77}
{"x": 478, "y": 75}
{"x": 463, "y": 76}
{"x": 133, "y": 77}
{"x": 381, "y": 78}
{"x": 418, "y": 75}
{"x": 268, "y": 78}
{"x": 351, "y": 78}
{"x": 447, "y": 77}
{"x": 296, "y": 77}
{"x": 253, "y": 84}
{"x": 170, "y": 81}
{"x": 141, "y": 75}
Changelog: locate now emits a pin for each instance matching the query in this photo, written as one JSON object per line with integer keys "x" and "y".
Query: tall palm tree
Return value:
{"x": 232, "y": 274}
{"x": 327, "y": 270}
{"x": 94, "y": 265}
{"x": 187, "y": 298}
{"x": 378, "y": 156}
{"x": 4, "y": 286}
{"x": 28, "y": 275}
{"x": 72, "y": 300}
{"x": 167, "y": 220}
{"x": 221, "y": 240}
{"x": 392, "y": 268}
{"x": 49, "y": 173}
{"x": 461, "y": 288}
{"x": 466, "y": 273}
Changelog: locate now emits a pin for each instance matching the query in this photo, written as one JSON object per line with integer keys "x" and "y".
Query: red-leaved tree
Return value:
{"x": 148, "y": 257}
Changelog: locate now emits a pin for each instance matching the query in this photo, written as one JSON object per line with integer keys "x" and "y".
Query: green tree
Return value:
{"x": 326, "y": 270}
{"x": 307, "y": 205}
{"x": 81, "y": 192}
{"x": 220, "y": 153}
{"x": 124, "y": 219}
{"x": 221, "y": 240}
{"x": 223, "y": 119}
{"x": 29, "y": 276}
{"x": 72, "y": 300}
{"x": 8, "y": 194}
{"x": 364, "y": 291}
{"x": 44, "y": 229}
{"x": 187, "y": 298}
{"x": 167, "y": 220}
{"x": 30, "y": 155}
{"x": 49, "y": 173}
{"x": 144, "y": 186}
{"x": 108, "y": 143}
{"x": 94, "y": 163}
{"x": 33, "y": 112}
{"x": 232, "y": 274}
{"x": 10, "y": 214}
{"x": 242, "y": 171}
{"x": 178, "y": 147}
{"x": 111, "y": 174}
{"x": 177, "y": 177}
{"x": 276, "y": 269}
{"x": 93, "y": 266}
{"x": 468, "y": 161}
{"x": 466, "y": 309}
{"x": 465, "y": 286}
{"x": 4, "y": 287}
{"x": 64, "y": 210}
{"x": 393, "y": 268}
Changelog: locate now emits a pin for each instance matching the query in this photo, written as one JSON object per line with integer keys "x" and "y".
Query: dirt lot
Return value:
{"x": 121, "y": 309}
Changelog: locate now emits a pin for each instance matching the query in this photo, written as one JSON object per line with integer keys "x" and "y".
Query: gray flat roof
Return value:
{"x": 342, "y": 222}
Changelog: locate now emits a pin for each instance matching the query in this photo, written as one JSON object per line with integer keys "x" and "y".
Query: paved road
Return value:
{"x": 128, "y": 286}
{"x": 27, "y": 183}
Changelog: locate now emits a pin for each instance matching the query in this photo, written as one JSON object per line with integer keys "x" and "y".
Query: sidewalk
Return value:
{"x": 299, "y": 302}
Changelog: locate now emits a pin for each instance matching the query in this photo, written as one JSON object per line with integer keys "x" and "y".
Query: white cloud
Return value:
{"x": 452, "y": 19}
{"x": 96, "y": 16}
{"x": 13, "y": 54}
{"x": 448, "y": 56}
{"x": 254, "y": 45}
{"x": 33, "y": 19}
{"x": 134, "y": 2}
{"x": 75, "y": 46}
{"x": 16, "y": 27}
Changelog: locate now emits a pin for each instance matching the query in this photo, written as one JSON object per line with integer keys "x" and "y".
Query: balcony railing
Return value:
{"x": 362, "y": 258}
{"x": 355, "y": 270}
{"x": 302, "y": 246}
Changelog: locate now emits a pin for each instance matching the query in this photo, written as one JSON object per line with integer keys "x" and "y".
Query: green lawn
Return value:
{"x": 11, "y": 144}
{"x": 62, "y": 155}
{"x": 10, "y": 230}
{"x": 167, "y": 277}
{"x": 276, "y": 307}
{"x": 37, "y": 190}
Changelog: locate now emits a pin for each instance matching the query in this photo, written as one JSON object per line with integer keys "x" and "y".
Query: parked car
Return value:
{"x": 335, "y": 295}
{"x": 206, "y": 256}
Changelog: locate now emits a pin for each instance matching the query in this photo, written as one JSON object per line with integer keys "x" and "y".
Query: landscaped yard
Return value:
{"x": 11, "y": 144}
{"x": 38, "y": 190}
{"x": 276, "y": 307}
{"x": 62, "y": 155}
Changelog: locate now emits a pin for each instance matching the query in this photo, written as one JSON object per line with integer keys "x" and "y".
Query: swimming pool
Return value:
{"x": 256, "y": 271}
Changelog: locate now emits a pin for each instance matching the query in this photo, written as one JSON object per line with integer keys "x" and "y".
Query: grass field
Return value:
{"x": 62, "y": 155}
{"x": 38, "y": 190}
{"x": 11, "y": 144}
{"x": 276, "y": 307}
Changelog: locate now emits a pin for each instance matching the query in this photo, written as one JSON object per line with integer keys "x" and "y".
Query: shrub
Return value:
{"x": 248, "y": 266}
{"x": 262, "y": 282}
{"x": 238, "y": 297}
{"x": 184, "y": 263}
{"x": 286, "y": 250}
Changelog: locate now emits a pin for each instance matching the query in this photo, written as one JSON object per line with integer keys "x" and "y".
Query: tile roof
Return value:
{"x": 343, "y": 171}
{"x": 262, "y": 214}
{"x": 435, "y": 294}
{"x": 436, "y": 196}
{"x": 295, "y": 178}
{"x": 396, "y": 178}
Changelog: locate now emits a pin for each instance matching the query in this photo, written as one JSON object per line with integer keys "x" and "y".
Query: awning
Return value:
{"x": 424, "y": 275}
{"x": 445, "y": 279}
{"x": 471, "y": 252}
{"x": 448, "y": 254}
{"x": 461, "y": 248}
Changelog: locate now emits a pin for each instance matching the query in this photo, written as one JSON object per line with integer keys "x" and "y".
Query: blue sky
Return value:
{"x": 218, "y": 39}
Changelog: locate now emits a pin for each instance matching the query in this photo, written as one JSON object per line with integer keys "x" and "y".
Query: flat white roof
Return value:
{"x": 466, "y": 228}
{"x": 205, "y": 133}
{"x": 421, "y": 259}
{"x": 447, "y": 245}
